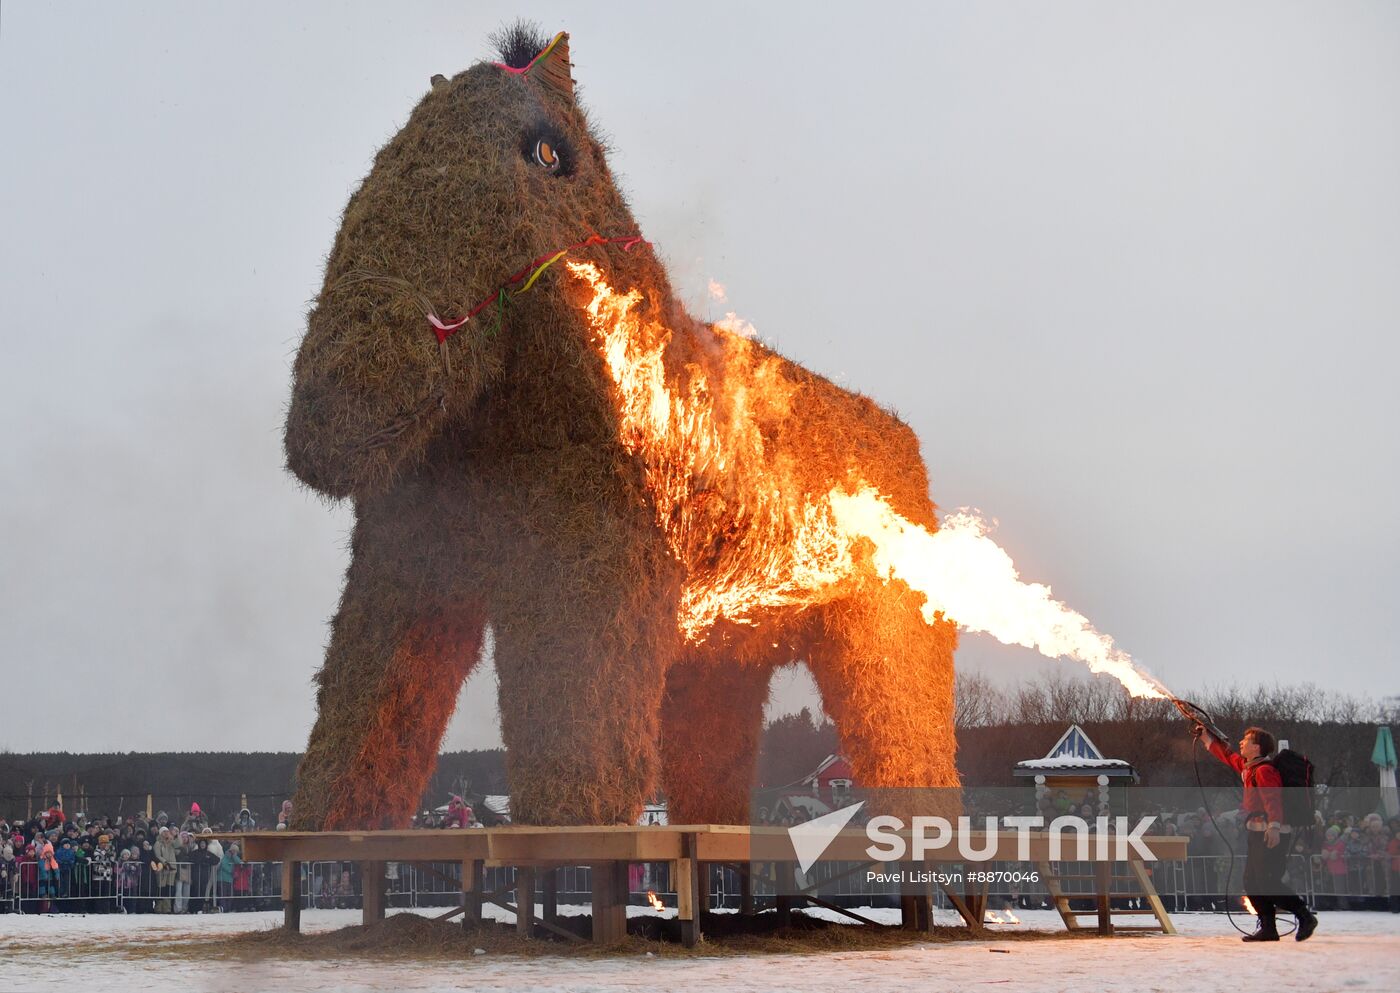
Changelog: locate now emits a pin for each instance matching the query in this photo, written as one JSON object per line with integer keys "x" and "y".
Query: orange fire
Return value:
{"x": 1005, "y": 917}
{"x": 746, "y": 551}
{"x": 655, "y": 900}
{"x": 1249, "y": 907}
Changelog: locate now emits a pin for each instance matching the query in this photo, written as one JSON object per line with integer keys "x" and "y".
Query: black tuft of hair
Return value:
{"x": 517, "y": 44}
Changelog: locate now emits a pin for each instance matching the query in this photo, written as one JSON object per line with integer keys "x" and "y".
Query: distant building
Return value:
{"x": 824, "y": 789}
{"x": 1073, "y": 772}
{"x": 831, "y": 781}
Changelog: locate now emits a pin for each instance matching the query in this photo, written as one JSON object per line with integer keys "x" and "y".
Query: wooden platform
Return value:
{"x": 608, "y": 851}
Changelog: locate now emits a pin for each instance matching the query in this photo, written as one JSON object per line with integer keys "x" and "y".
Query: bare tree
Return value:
{"x": 976, "y": 701}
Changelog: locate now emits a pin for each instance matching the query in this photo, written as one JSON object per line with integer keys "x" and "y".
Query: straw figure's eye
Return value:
{"x": 546, "y": 156}
{"x": 546, "y": 148}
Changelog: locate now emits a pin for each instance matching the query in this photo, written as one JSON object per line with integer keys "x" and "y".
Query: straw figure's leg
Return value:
{"x": 582, "y": 644}
{"x": 386, "y": 692}
{"x": 886, "y": 679}
{"x": 711, "y": 720}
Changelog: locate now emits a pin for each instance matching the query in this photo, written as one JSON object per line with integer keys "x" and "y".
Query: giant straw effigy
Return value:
{"x": 536, "y": 436}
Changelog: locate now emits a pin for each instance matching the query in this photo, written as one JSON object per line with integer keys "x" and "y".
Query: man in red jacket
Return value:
{"x": 1269, "y": 837}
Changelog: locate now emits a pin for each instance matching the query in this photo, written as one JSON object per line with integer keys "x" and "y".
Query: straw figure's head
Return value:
{"x": 495, "y": 171}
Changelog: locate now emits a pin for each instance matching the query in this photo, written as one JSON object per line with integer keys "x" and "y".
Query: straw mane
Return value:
{"x": 517, "y": 44}
{"x": 491, "y": 486}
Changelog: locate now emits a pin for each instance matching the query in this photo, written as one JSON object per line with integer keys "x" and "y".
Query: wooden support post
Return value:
{"x": 929, "y": 903}
{"x": 291, "y": 896}
{"x": 372, "y": 892}
{"x": 689, "y": 902}
{"x": 974, "y": 906}
{"x": 473, "y": 883}
{"x": 525, "y": 901}
{"x": 703, "y": 877}
{"x": 973, "y": 921}
{"x": 1153, "y": 899}
{"x": 550, "y": 886}
{"x": 915, "y": 899}
{"x": 1103, "y": 885}
{"x": 609, "y": 881}
{"x": 784, "y": 903}
{"x": 746, "y": 888}
{"x": 908, "y": 912}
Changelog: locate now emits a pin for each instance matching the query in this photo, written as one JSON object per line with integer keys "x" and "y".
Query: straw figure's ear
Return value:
{"x": 552, "y": 68}
{"x": 525, "y": 51}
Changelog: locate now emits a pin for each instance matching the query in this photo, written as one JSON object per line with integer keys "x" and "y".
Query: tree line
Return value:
{"x": 996, "y": 727}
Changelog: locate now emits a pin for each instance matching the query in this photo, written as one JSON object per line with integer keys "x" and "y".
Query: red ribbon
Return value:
{"x": 445, "y": 331}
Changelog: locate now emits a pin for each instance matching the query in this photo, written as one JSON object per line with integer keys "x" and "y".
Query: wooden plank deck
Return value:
{"x": 689, "y": 848}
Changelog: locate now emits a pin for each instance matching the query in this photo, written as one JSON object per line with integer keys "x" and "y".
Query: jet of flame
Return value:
{"x": 968, "y": 577}
{"x": 655, "y": 900}
{"x": 750, "y": 551}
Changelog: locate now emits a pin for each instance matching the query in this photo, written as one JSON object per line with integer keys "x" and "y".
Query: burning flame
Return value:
{"x": 1249, "y": 907}
{"x": 747, "y": 550}
{"x": 655, "y": 900}
{"x": 968, "y": 577}
{"x": 718, "y": 291}
{"x": 735, "y": 324}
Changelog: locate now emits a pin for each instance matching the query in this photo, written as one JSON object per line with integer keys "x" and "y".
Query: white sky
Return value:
{"x": 1129, "y": 269}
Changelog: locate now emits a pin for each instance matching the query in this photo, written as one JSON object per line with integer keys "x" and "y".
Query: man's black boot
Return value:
{"x": 1267, "y": 930}
{"x": 1307, "y": 924}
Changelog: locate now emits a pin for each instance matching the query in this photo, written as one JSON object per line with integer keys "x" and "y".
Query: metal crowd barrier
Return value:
{"x": 1198, "y": 882}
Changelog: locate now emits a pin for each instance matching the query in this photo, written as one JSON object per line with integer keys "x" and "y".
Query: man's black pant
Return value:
{"x": 1263, "y": 879}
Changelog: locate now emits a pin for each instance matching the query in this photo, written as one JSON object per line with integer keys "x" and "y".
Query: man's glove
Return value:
{"x": 1198, "y": 730}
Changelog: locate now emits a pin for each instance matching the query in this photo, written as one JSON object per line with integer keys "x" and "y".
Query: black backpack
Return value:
{"x": 1297, "y": 774}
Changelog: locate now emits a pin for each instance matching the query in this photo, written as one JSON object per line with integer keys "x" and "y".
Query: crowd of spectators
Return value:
{"x": 54, "y": 863}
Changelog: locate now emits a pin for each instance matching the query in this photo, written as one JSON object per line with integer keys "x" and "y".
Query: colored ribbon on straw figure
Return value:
{"x": 528, "y": 275}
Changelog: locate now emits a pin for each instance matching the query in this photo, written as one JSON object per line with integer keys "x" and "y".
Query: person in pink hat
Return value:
{"x": 195, "y": 822}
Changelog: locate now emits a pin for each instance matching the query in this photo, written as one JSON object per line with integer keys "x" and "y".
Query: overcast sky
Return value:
{"x": 1129, "y": 270}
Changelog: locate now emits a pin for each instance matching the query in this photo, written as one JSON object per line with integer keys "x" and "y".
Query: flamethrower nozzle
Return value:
{"x": 1196, "y": 714}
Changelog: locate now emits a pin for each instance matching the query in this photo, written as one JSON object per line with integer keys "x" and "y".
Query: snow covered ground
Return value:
{"x": 1351, "y": 951}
